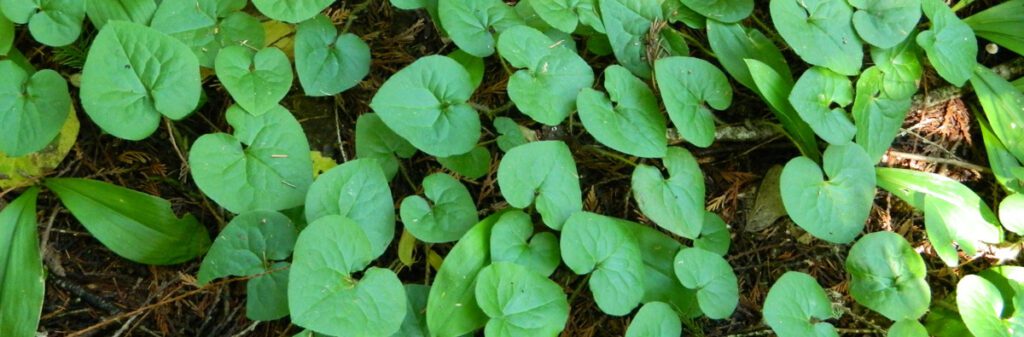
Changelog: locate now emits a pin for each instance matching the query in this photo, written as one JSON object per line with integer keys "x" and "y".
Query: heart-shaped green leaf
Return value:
{"x": 733, "y": 43}
{"x": 689, "y": 86}
{"x": 1001, "y": 24}
{"x": 1011, "y": 213}
{"x": 907, "y": 328}
{"x": 256, "y": 80}
{"x": 323, "y": 294}
{"x": 425, "y": 103}
{"x": 206, "y": 26}
{"x": 833, "y": 210}
{"x": 265, "y": 165}
{"x": 607, "y": 250}
{"x": 293, "y": 11}
{"x": 627, "y": 24}
{"x": 775, "y": 89}
{"x": 520, "y": 301}
{"x": 472, "y": 23}
{"x": 546, "y": 88}
{"x": 630, "y": 121}
{"x": 901, "y": 69}
{"x": 655, "y": 319}
{"x": 446, "y": 217}
{"x": 52, "y": 22}
{"x": 472, "y": 165}
{"x": 727, "y": 11}
{"x": 819, "y": 96}
{"x": 712, "y": 277}
{"x": 267, "y": 295}
{"x": 950, "y": 43}
{"x": 888, "y": 276}
{"x": 660, "y": 282}
{"x": 328, "y": 63}
{"x": 22, "y": 281}
{"x": 359, "y": 191}
{"x": 510, "y": 133}
{"x": 542, "y": 173}
{"x": 885, "y": 23}
{"x": 102, "y": 11}
{"x": 797, "y": 306}
{"x": 511, "y": 242}
{"x": 565, "y": 15}
{"x": 133, "y": 75}
{"x": 981, "y": 307}
{"x": 376, "y": 141}
{"x": 32, "y": 108}
{"x": 1002, "y": 104}
{"x": 820, "y": 32}
{"x": 878, "y": 115}
{"x": 714, "y": 235}
{"x": 137, "y": 226}
{"x": 677, "y": 203}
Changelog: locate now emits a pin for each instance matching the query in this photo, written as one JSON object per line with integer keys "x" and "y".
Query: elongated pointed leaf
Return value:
{"x": 513, "y": 240}
{"x": 775, "y": 90}
{"x": 677, "y": 203}
{"x": 52, "y": 22}
{"x": 327, "y": 62}
{"x": 821, "y": 32}
{"x": 629, "y": 121}
{"x": 520, "y": 301}
{"x": 1002, "y": 104}
{"x": 601, "y": 246}
{"x": 691, "y": 87}
{"x": 950, "y": 43}
{"x": 546, "y": 88}
{"x": 733, "y": 43}
{"x": 542, "y": 174}
{"x": 885, "y": 23}
{"x": 21, "y": 267}
{"x": 878, "y": 115}
{"x": 257, "y": 81}
{"x": 1008, "y": 170}
{"x": 797, "y": 306}
{"x": 359, "y": 191}
{"x": 1001, "y": 24}
{"x": 713, "y": 279}
{"x": 819, "y": 96}
{"x": 981, "y": 307}
{"x": 446, "y": 217}
{"x": 833, "y": 210}
{"x": 888, "y": 276}
{"x": 32, "y": 108}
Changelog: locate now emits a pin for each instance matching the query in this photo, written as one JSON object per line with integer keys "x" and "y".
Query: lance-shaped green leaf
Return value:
{"x": 775, "y": 89}
{"x": 415, "y": 323}
{"x": 901, "y": 68}
{"x": 325, "y": 296}
{"x": 727, "y": 11}
{"x": 982, "y": 308}
{"x": 446, "y": 217}
{"x": 833, "y": 210}
{"x": 327, "y": 62}
{"x": 206, "y": 26}
{"x": 546, "y": 88}
{"x": 629, "y": 121}
{"x": 511, "y": 242}
{"x": 627, "y": 24}
{"x": 257, "y": 81}
{"x": 797, "y": 306}
{"x": 1002, "y": 104}
{"x": 660, "y": 283}
{"x": 472, "y": 23}
{"x": 544, "y": 174}
{"x": 953, "y": 215}
{"x": 102, "y": 11}
{"x": 425, "y": 103}
{"x": 1008, "y": 170}
{"x": 22, "y": 281}
{"x": 510, "y": 133}
{"x": 520, "y": 301}
{"x": 607, "y": 250}
{"x": 1001, "y": 24}
{"x": 950, "y": 44}
{"x": 137, "y": 226}
{"x": 885, "y": 23}
{"x": 878, "y": 115}
{"x": 677, "y": 203}
{"x": 265, "y": 165}
{"x": 359, "y": 191}
{"x": 1011, "y": 213}
{"x": 293, "y": 11}
{"x": 691, "y": 87}
{"x": 712, "y": 277}
{"x": 452, "y": 308}
{"x": 6, "y": 35}
{"x": 472, "y": 165}
{"x": 888, "y": 276}
{"x": 820, "y": 32}
{"x": 133, "y": 75}
{"x": 714, "y": 235}
{"x": 52, "y": 22}
{"x": 655, "y": 319}
{"x": 565, "y": 15}
{"x": 376, "y": 141}
{"x": 733, "y": 43}
{"x": 819, "y": 96}
{"x": 32, "y": 108}
{"x": 907, "y": 328}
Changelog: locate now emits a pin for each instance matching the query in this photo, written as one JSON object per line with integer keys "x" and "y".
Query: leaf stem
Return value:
{"x": 579, "y": 287}
{"x": 609, "y": 154}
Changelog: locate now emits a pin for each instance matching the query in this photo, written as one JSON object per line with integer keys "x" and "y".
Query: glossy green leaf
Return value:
{"x": 6, "y": 35}
{"x": 907, "y": 328}
{"x": 982, "y": 307}
{"x": 655, "y": 319}
{"x": 950, "y": 44}
{"x": 137, "y": 226}
{"x": 292, "y": 11}
{"x": 54, "y": 23}
{"x": 953, "y": 215}
{"x": 565, "y": 15}
{"x": 33, "y": 108}
{"x": 135, "y": 74}
{"x": 206, "y": 26}
{"x": 543, "y": 174}
{"x": 1001, "y": 24}
{"x": 712, "y": 277}
{"x": 878, "y": 116}
{"x": 775, "y": 90}
{"x": 511, "y": 242}
{"x": 323, "y": 294}
{"x": 415, "y": 323}
{"x": 1002, "y": 104}
{"x": 1007, "y": 169}
{"x": 376, "y": 141}
{"x": 265, "y": 165}
{"x": 901, "y": 68}
{"x": 691, "y": 87}
{"x": 257, "y": 81}
{"x": 102, "y": 11}
{"x": 797, "y": 306}
{"x": 446, "y": 217}
{"x": 425, "y": 103}
{"x": 714, "y": 235}
{"x": 510, "y": 133}
{"x": 22, "y": 280}
{"x": 520, "y": 301}
{"x": 267, "y": 295}
{"x": 888, "y": 276}
{"x": 603, "y": 247}
{"x": 727, "y": 11}
{"x": 327, "y": 62}
{"x": 885, "y": 23}
{"x": 248, "y": 245}
{"x": 472, "y": 165}
{"x": 733, "y": 43}
{"x": 471, "y": 24}
{"x": 658, "y": 252}
{"x": 474, "y": 65}
{"x": 677, "y": 203}
{"x": 820, "y": 32}
{"x": 627, "y": 24}
{"x": 546, "y": 88}
{"x": 630, "y": 120}
{"x": 819, "y": 96}
{"x": 359, "y": 191}
{"x": 1011, "y": 213}
{"x": 28, "y": 169}
{"x": 833, "y": 210}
